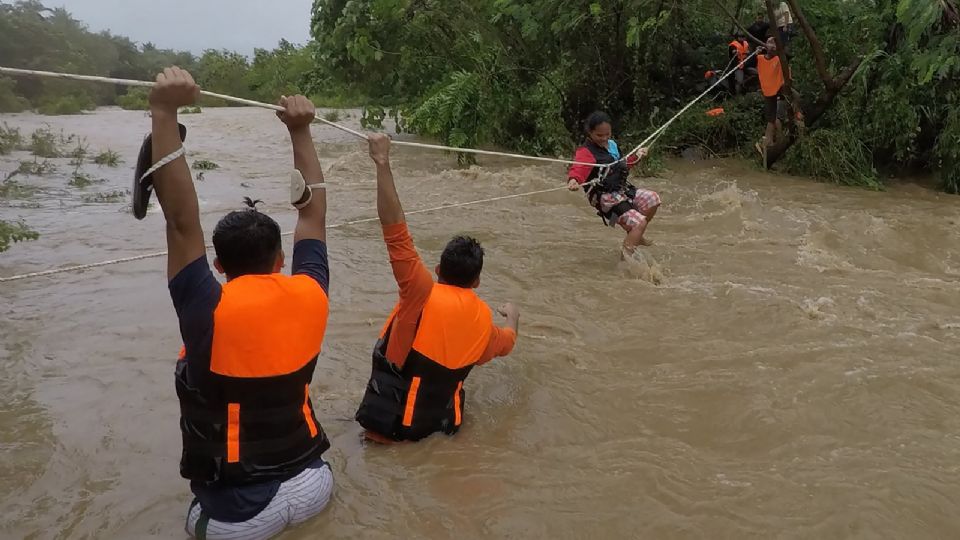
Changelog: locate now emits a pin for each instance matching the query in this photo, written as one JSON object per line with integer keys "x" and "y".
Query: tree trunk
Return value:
{"x": 738, "y": 12}
{"x": 815, "y": 112}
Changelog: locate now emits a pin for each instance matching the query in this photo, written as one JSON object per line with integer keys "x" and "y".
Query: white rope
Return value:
{"x": 130, "y": 82}
{"x": 176, "y": 154}
{"x": 288, "y": 233}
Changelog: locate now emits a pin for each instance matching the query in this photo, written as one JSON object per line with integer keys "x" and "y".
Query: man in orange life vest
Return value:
{"x": 436, "y": 334}
{"x": 252, "y": 446}
{"x": 740, "y": 50}
{"x": 771, "y": 84}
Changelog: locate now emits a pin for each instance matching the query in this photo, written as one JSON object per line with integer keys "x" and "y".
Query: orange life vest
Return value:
{"x": 249, "y": 418}
{"x": 426, "y": 395}
{"x": 743, "y": 51}
{"x": 771, "y": 76}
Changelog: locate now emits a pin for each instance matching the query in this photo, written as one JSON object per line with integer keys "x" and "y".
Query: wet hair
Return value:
{"x": 247, "y": 241}
{"x": 461, "y": 262}
{"x": 595, "y": 119}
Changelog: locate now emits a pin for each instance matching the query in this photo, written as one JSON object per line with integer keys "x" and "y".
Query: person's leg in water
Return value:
{"x": 635, "y": 224}
{"x": 645, "y": 205}
{"x": 646, "y": 202}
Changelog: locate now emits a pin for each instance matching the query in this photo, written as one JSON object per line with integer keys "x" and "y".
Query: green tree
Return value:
{"x": 281, "y": 71}
{"x": 224, "y": 72}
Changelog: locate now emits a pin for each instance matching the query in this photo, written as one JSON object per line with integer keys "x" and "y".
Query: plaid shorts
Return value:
{"x": 643, "y": 202}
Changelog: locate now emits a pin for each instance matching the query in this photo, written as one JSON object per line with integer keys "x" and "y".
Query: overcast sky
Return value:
{"x": 194, "y": 25}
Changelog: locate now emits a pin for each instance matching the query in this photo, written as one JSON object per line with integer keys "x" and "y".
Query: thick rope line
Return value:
{"x": 147, "y": 84}
{"x": 288, "y": 233}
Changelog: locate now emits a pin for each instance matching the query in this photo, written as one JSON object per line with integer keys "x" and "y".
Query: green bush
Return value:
{"x": 204, "y": 165}
{"x": 10, "y": 102}
{"x": 136, "y": 99}
{"x": 34, "y": 168}
{"x": 64, "y": 105}
{"x": 332, "y": 116}
{"x": 44, "y": 143}
{"x": 833, "y": 155}
{"x": 10, "y": 139}
{"x": 947, "y": 153}
{"x": 15, "y": 232}
{"x": 80, "y": 179}
{"x": 107, "y": 157}
{"x": 731, "y": 133}
{"x": 105, "y": 197}
{"x": 213, "y": 102}
{"x": 78, "y": 155}
{"x": 11, "y": 189}
{"x": 338, "y": 101}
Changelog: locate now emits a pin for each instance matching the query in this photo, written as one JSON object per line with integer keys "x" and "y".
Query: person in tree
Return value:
{"x": 760, "y": 28}
{"x": 784, "y": 23}
{"x": 771, "y": 85}
{"x": 608, "y": 188}
{"x": 739, "y": 51}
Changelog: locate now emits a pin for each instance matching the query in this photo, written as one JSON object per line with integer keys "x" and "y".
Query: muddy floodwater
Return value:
{"x": 782, "y": 363}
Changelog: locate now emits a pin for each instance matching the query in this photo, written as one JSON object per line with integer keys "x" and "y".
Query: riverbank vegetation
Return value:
{"x": 877, "y": 79}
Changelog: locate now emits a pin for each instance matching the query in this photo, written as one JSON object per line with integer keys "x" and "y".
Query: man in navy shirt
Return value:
{"x": 252, "y": 446}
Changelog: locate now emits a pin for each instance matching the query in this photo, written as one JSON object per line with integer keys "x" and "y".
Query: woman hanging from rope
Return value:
{"x": 608, "y": 188}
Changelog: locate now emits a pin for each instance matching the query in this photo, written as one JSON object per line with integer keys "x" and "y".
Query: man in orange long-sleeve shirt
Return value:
{"x": 436, "y": 334}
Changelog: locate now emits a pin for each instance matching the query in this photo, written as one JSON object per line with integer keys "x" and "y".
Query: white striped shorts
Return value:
{"x": 297, "y": 500}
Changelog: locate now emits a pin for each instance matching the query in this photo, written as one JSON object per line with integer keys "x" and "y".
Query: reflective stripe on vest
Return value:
{"x": 771, "y": 76}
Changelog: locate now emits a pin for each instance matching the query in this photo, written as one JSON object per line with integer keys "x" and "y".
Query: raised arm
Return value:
{"x": 298, "y": 116}
{"x": 413, "y": 279}
{"x": 173, "y": 184}
{"x": 388, "y": 202}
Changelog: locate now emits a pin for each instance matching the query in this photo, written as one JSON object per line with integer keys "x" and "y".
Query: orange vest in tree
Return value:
{"x": 743, "y": 51}
{"x": 771, "y": 76}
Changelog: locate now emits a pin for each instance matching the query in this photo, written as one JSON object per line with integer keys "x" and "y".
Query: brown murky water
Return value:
{"x": 794, "y": 374}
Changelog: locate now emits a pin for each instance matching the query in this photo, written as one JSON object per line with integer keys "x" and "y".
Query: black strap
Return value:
{"x": 201, "y": 529}
{"x": 251, "y": 449}
{"x": 212, "y": 416}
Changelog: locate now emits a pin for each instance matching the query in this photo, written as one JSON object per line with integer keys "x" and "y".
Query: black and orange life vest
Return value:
{"x": 249, "y": 418}
{"x": 743, "y": 51}
{"x": 615, "y": 178}
{"x": 771, "y": 75}
{"x": 426, "y": 395}
{"x": 614, "y": 181}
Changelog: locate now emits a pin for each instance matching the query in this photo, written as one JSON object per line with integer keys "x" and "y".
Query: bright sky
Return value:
{"x": 194, "y": 25}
